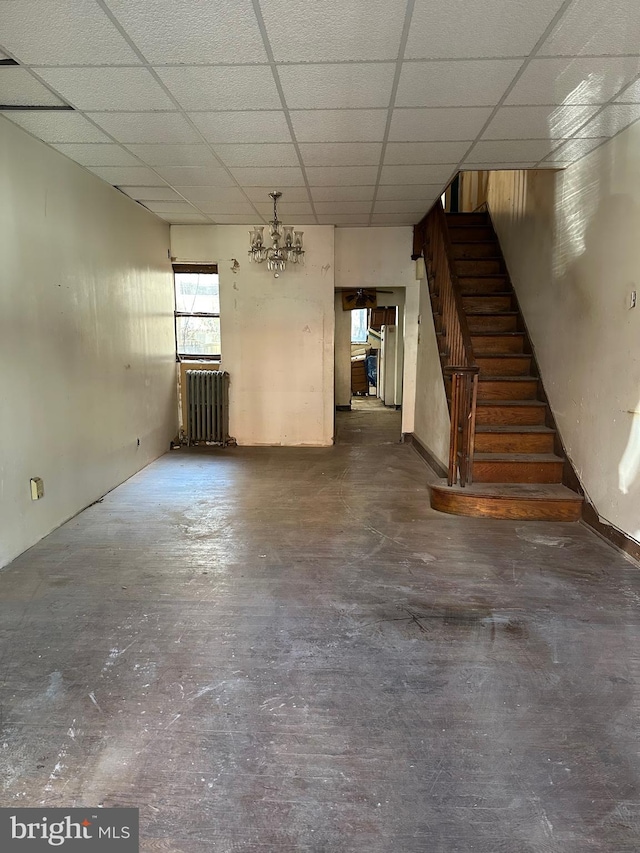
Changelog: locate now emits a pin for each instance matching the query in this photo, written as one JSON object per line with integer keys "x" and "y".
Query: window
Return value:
{"x": 359, "y": 329}
{"x": 197, "y": 311}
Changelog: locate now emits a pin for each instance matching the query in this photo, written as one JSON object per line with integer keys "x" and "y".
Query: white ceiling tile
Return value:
{"x": 192, "y": 33}
{"x": 53, "y": 126}
{"x": 62, "y": 32}
{"x": 126, "y": 89}
{"x": 328, "y": 208}
{"x": 397, "y": 218}
{"x": 631, "y": 94}
{"x": 249, "y": 220}
{"x": 405, "y": 192}
{"x": 341, "y": 193}
{"x": 18, "y": 87}
{"x": 344, "y": 219}
{"x": 174, "y": 155}
{"x": 290, "y": 194}
{"x": 300, "y": 31}
{"x": 254, "y": 154}
{"x": 407, "y": 206}
{"x": 286, "y": 208}
{"x": 397, "y": 175}
{"x": 406, "y": 153}
{"x": 127, "y": 175}
{"x": 332, "y": 176}
{"x": 596, "y": 28}
{"x": 268, "y": 126}
{"x": 185, "y": 218}
{"x": 573, "y": 81}
{"x": 169, "y": 206}
{"x": 509, "y": 151}
{"x": 544, "y": 122}
{"x": 98, "y": 154}
{"x": 146, "y": 127}
{"x": 341, "y": 153}
{"x": 229, "y": 208}
{"x": 612, "y": 119}
{"x": 574, "y": 149}
{"x": 224, "y": 87}
{"x": 337, "y": 86}
{"x": 339, "y": 125}
{"x": 151, "y": 193}
{"x": 218, "y": 195}
{"x": 196, "y": 176}
{"x": 487, "y": 28}
{"x": 450, "y": 84}
{"x": 417, "y": 125}
{"x": 276, "y": 177}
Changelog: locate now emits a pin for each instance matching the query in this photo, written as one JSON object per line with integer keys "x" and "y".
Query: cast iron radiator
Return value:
{"x": 207, "y": 407}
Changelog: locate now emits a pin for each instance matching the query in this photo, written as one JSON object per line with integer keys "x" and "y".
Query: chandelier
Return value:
{"x": 286, "y": 243}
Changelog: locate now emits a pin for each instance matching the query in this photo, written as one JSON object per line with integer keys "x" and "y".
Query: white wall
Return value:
{"x": 571, "y": 241}
{"x": 342, "y": 363}
{"x": 381, "y": 257}
{"x": 277, "y": 334}
{"x": 87, "y": 354}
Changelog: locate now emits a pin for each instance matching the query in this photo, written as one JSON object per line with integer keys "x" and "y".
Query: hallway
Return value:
{"x": 279, "y": 649}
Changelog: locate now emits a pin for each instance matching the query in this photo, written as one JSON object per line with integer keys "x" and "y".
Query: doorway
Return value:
{"x": 369, "y": 362}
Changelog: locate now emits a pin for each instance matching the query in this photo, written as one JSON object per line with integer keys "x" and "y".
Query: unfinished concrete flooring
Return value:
{"x": 288, "y": 650}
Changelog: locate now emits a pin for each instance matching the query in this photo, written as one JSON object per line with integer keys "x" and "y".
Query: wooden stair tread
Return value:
{"x": 517, "y": 457}
{"x": 537, "y": 403}
{"x": 494, "y": 334}
{"x": 508, "y": 378}
{"x": 531, "y": 491}
{"x": 473, "y": 313}
{"x": 504, "y": 355}
{"x": 505, "y": 429}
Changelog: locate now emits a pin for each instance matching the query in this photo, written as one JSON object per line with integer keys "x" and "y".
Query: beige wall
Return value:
{"x": 571, "y": 241}
{"x": 276, "y": 334}
{"x": 87, "y": 355}
{"x": 432, "y": 423}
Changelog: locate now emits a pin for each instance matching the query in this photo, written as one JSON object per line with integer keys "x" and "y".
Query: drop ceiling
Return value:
{"x": 360, "y": 112}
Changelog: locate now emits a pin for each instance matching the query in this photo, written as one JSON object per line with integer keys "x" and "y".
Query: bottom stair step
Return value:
{"x": 517, "y": 468}
{"x": 534, "y": 502}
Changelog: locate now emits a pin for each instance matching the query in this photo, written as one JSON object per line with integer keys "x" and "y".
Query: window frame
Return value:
{"x": 192, "y": 269}
{"x": 366, "y": 326}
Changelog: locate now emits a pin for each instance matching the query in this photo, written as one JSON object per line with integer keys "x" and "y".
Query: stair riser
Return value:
{"x": 497, "y": 390}
{"x": 510, "y": 416}
{"x": 497, "y": 343}
{"x": 455, "y": 219}
{"x": 489, "y": 304}
{"x": 475, "y": 250}
{"x": 517, "y": 472}
{"x": 471, "y": 235}
{"x": 472, "y": 284}
{"x": 517, "y": 442}
{"x": 503, "y": 366}
{"x": 492, "y": 323}
{"x": 467, "y": 268}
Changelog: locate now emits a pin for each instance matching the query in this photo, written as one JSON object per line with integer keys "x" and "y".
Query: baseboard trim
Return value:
{"x": 612, "y": 535}
{"x": 343, "y": 408}
{"x": 423, "y": 451}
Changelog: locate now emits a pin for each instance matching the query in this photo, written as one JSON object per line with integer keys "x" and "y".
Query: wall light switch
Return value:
{"x": 632, "y": 299}
{"x": 37, "y": 489}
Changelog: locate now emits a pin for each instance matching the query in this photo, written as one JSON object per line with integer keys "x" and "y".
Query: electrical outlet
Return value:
{"x": 37, "y": 489}
{"x": 632, "y": 299}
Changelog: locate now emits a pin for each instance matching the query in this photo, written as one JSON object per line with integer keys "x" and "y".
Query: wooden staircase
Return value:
{"x": 518, "y": 464}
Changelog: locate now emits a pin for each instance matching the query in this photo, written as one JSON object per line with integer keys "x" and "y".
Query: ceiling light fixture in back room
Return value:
{"x": 286, "y": 243}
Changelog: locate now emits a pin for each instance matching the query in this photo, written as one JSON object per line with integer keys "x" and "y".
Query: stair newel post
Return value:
{"x": 454, "y": 433}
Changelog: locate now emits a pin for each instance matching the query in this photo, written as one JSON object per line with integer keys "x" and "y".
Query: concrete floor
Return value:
{"x": 288, "y": 650}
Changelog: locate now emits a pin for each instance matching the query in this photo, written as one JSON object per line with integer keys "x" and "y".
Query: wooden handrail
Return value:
{"x": 458, "y": 363}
